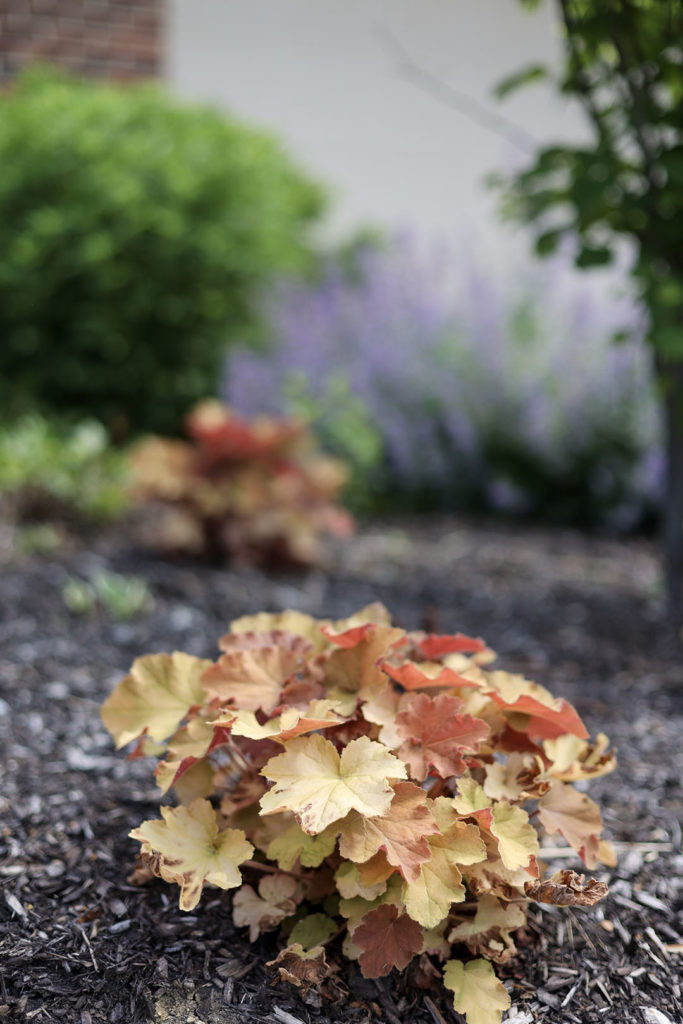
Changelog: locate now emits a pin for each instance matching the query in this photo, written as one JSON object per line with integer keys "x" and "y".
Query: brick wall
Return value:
{"x": 120, "y": 39}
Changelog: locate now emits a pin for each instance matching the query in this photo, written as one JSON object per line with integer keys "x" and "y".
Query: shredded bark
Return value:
{"x": 79, "y": 944}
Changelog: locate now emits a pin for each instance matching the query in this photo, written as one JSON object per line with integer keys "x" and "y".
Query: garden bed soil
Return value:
{"x": 79, "y": 943}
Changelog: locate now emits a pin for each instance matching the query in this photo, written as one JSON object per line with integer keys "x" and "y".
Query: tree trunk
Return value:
{"x": 671, "y": 378}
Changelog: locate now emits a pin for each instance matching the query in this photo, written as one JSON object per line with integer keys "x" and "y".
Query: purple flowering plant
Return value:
{"x": 447, "y": 385}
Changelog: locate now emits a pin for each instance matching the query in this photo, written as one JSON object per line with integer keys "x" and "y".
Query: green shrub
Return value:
{"x": 134, "y": 233}
{"x": 47, "y": 472}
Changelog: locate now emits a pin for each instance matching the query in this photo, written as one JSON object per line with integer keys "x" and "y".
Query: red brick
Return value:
{"x": 101, "y": 38}
{"x": 45, "y": 6}
{"x": 17, "y": 21}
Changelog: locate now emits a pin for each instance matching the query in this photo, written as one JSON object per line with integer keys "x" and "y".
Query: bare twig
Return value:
{"x": 451, "y": 97}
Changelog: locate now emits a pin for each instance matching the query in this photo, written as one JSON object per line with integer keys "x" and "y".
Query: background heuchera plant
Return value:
{"x": 253, "y": 490}
{"x": 381, "y": 785}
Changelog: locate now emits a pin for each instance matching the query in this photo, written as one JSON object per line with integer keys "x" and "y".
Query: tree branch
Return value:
{"x": 639, "y": 119}
{"x": 451, "y": 97}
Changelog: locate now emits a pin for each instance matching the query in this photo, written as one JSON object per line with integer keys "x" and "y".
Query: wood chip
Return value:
{"x": 654, "y": 1016}
{"x": 286, "y": 1018}
{"x": 15, "y": 906}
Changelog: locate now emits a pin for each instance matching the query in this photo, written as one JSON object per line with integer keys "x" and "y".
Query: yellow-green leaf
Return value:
{"x": 312, "y": 930}
{"x": 193, "y": 851}
{"x": 491, "y": 913}
{"x": 349, "y": 884}
{"x": 319, "y": 786}
{"x": 294, "y": 844}
{"x": 517, "y": 839}
{"x": 439, "y": 884}
{"x": 471, "y": 797}
{"x": 477, "y": 992}
{"x": 155, "y": 697}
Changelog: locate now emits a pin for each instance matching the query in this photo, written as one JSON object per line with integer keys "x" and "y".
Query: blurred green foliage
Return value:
{"x": 121, "y": 597}
{"x": 48, "y": 471}
{"x": 345, "y": 427}
{"x": 623, "y": 62}
{"x": 134, "y": 234}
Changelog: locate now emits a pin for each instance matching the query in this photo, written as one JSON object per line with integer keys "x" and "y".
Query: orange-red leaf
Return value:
{"x": 428, "y": 674}
{"x": 388, "y": 939}
{"x": 435, "y": 646}
{"x": 550, "y": 716}
{"x": 355, "y": 662}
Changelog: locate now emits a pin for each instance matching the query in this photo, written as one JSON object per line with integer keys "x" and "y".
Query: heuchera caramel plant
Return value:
{"x": 252, "y": 490}
{"x": 391, "y": 778}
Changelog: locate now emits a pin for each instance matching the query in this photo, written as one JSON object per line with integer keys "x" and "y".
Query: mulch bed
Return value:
{"x": 79, "y": 944}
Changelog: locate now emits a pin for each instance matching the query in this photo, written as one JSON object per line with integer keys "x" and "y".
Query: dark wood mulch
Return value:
{"x": 81, "y": 945}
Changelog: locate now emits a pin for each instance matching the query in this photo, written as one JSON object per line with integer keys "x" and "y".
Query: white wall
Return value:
{"x": 318, "y": 73}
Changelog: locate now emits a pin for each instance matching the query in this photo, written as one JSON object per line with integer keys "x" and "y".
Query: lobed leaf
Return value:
{"x": 428, "y": 674}
{"x": 400, "y": 833}
{"x": 294, "y": 844}
{"x": 436, "y": 735}
{"x": 192, "y": 850}
{"x": 313, "y": 930}
{"x": 429, "y": 896}
{"x": 517, "y": 839}
{"x": 155, "y": 697}
{"x": 575, "y": 816}
{"x": 319, "y": 786}
{"x": 476, "y": 991}
{"x": 254, "y": 679}
{"x": 263, "y": 911}
{"x": 388, "y": 939}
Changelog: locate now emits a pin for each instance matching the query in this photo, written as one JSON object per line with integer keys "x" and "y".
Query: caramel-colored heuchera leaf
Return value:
{"x": 549, "y": 716}
{"x": 566, "y": 889}
{"x": 573, "y": 758}
{"x": 254, "y": 679}
{"x": 155, "y": 697}
{"x": 391, "y": 779}
{"x": 575, "y": 816}
{"x": 355, "y": 662}
{"x": 263, "y": 912}
{"x": 388, "y": 939}
{"x": 488, "y": 933}
{"x": 319, "y": 786}
{"x": 401, "y": 833}
{"x": 254, "y": 491}
{"x": 193, "y": 850}
{"x": 470, "y": 797}
{"x": 293, "y": 722}
{"x": 290, "y": 621}
{"x": 520, "y": 778}
{"x": 436, "y": 735}
{"x": 187, "y": 750}
{"x": 476, "y": 991}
